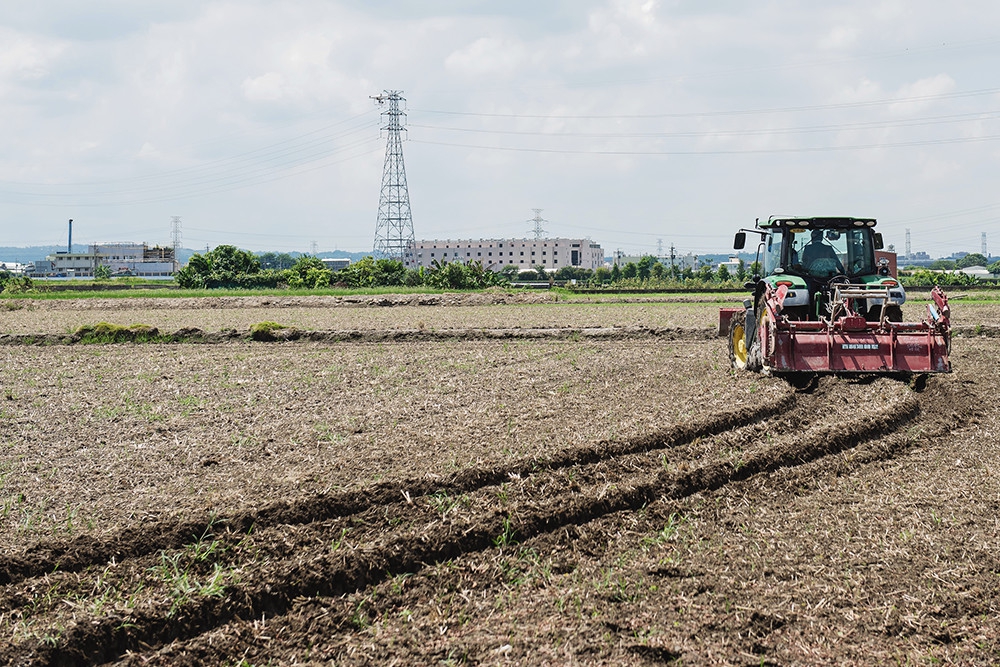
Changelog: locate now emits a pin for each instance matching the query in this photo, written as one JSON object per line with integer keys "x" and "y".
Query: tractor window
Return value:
{"x": 820, "y": 253}
{"x": 860, "y": 258}
{"x": 772, "y": 252}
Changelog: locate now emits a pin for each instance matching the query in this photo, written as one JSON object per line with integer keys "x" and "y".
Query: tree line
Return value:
{"x": 230, "y": 267}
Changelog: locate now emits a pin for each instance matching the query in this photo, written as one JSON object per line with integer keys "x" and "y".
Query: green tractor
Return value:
{"x": 825, "y": 304}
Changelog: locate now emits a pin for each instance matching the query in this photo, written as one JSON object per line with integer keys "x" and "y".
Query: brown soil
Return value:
{"x": 531, "y": 500}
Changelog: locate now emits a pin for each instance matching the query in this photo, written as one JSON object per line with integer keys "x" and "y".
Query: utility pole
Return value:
{"x": 538, "y": 220}
{"x": 673, "y": 256}
{"x": 394, "y": 227}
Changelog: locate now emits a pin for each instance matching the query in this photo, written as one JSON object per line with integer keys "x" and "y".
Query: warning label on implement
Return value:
{"x": 859, "y": 346}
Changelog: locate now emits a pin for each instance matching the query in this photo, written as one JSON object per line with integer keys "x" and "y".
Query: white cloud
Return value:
{"x": 488, "y": 55}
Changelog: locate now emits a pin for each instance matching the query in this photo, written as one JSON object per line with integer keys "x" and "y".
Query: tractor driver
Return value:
{"x": 818, "y": 257}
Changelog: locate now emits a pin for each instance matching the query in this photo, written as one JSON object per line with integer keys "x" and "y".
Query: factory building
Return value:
{"x": 123, "y": 259}
{"x": 495, "y": 254}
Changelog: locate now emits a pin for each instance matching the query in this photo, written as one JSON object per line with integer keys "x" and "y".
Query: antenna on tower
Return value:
{"x": 394, "y": 227}
{"x": 538, "y": 220}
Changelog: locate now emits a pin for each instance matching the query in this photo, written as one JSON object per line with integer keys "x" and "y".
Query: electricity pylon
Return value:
{"x": 394, "y": 228}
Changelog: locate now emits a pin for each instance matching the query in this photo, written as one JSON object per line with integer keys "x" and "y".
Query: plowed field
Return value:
{"x": 550, "y": 489}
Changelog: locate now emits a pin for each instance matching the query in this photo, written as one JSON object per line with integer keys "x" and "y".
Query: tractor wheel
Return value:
{"x": 892, "y": 313}
{"x": 740, "y": 357}
{"x": 738, "y": 353}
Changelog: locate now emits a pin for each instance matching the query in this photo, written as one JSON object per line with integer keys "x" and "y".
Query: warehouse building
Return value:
{"x": 128, "y": 259}
{"x": 495, "y": 254}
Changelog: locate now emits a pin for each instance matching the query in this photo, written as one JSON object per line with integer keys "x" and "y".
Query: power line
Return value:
{"x": 748, "y": 151}
{"x": 736, "y": 112}
{"x": 867, "y": 125}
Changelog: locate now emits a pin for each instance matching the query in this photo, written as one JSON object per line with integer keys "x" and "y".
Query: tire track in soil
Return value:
{"x": 139, "y": 540}
{"x": 630, "y": 480}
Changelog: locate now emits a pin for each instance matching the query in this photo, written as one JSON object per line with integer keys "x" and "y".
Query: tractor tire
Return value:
{"x": 742, "y": 358}
{"x": 738, "y": 353}
{"x": 892, "y": 313}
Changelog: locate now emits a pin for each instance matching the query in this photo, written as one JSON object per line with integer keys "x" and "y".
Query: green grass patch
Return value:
{"x": 264, "y": 331}
{"x": 103, "y": 333}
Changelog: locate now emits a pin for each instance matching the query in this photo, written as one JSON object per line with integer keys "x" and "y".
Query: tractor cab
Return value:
{"x": 811, "y": 256}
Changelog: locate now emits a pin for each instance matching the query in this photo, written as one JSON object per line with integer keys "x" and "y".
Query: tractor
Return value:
{"x": 826, "y": 305}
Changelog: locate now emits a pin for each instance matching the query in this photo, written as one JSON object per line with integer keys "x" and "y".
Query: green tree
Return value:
{"x": 630, "y": 270}
{"x": 225, "y": 266}
{"x": 309, "y": 273}
{"x": 943, "y": 265}
{"x": 995, "y": 267}
{"x": 972, "y": 259}
{"x": 602, "y": 275}
{"x": 645, "y": 266}
{"x": 616, "y": 273}
{"x": 705, "y": 273}
{"x": 275, "y": 260}
{"x": 722, "y": 275}
{"x": 741, "y": 270}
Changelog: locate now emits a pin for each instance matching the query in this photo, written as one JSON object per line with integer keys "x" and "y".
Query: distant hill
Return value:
{"x": 33, "y": 253}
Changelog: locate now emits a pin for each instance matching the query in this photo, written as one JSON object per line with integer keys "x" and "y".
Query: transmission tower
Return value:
{"x": 394, "y": 228}
{"x": 984, "y": 245}
{"x": 538, "y": 220}
{"x": 175, "y": 238}
{"x": 908, "y": 255}
{"x": 315, "y": 248}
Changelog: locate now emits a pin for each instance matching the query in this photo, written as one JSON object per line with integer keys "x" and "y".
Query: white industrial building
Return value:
{"x": 130, "y": 259}
{"x": 495, "y": 254}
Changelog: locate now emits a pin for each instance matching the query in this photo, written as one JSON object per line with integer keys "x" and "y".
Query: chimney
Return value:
{"x": 69, "y": 248}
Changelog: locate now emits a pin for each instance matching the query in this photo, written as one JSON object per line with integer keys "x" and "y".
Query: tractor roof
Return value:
{"x": 818, "y": 223}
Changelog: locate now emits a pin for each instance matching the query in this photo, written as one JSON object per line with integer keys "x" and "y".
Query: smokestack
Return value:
{"x": 69, "y": 248}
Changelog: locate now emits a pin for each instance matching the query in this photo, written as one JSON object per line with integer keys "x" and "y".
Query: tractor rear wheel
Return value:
{"x": 893, "y": 313}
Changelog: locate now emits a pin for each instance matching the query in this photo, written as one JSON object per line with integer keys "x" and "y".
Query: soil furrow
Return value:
{"x": 102, "y": 639}
{"x": 134, "y": 541}
{"x": 195, "y": 335}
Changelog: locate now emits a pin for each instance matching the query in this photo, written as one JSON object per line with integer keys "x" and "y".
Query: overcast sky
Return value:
{"x": 633, "y": 122}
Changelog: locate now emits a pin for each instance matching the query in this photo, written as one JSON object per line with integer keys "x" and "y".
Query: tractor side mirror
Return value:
{"x": 878, "y": 241}
{"x": 740, "y": 241}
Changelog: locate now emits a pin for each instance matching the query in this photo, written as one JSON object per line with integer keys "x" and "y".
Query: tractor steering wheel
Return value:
{"x": 839, "y": 279}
